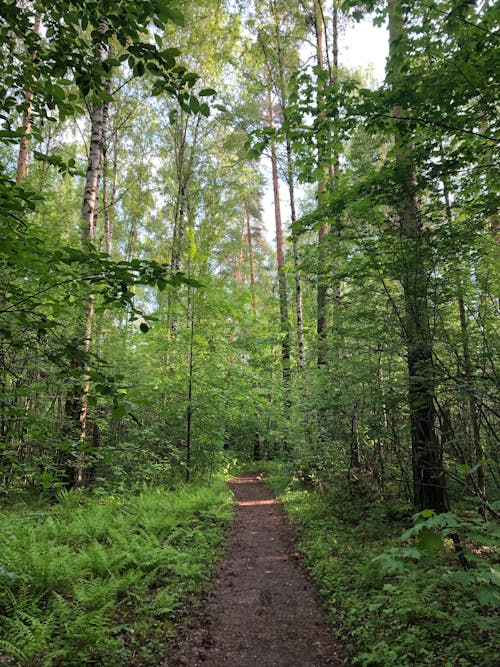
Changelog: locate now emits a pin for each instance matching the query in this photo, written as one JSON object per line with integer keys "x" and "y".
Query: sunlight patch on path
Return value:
{"x": 254, "y": 503}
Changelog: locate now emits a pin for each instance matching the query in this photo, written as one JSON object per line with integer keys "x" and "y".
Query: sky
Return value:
{"x": 363, "y": 44}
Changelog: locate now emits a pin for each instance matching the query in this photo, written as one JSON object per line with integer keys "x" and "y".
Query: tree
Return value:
{"x": 428, "y": 473}
{"x": 283, "y": 297}
{"x": 79, "y": 52}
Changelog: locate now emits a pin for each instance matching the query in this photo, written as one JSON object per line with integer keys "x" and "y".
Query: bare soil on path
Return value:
{"x": 263, "y": 610}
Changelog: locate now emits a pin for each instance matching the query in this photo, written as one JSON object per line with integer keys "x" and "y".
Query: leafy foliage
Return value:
{"x": 393, "y": 605}
{"x": 100, "y": 579}
{"x": 169, "y": 324}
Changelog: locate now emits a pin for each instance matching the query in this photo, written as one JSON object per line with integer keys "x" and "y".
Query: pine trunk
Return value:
{"x": 284, "y": 323}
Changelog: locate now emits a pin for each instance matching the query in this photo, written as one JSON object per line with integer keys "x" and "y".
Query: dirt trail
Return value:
{"x": 263, "y": 610}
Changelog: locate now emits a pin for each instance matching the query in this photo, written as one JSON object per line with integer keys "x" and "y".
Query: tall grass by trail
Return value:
{"x": 103, "y": 581}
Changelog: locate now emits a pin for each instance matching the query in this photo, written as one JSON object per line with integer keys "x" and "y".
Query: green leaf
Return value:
{"x": 119, "y": 411}
{"x": 194, "y": 105}
{"x": 104, "y": 96}
{"x": 58, "y": 92}
{"x": 463, "y": 577}
{"x": 171, "y": 52}
{"x": 487, "y": 595}
{"x": 464, "y": 469}
{"x": 410, "y": 552}
{"x": 190, "y": 78}
{"x": 429, "y": 541}
{"x": 206, "y": 92}
{"x": 169, "y": 14}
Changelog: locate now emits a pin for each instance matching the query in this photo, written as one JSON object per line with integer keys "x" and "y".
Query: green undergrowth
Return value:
{"x": 268, "y": 468}
{"x": 104, "y": 581}
{"x": 393, "y": 602}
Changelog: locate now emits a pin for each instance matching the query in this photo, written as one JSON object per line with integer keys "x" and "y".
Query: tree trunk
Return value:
{"x": 296, "y": 259}
{"x": 282, "y": 90}
{"x": 428, "y": 474}
{"x": 108, "y": 204}
{"x": 179, "y": 213}
{"x": 284, "y": 323}
{"x": 76, "y": 406}
{"x": 22, "y": 158}
{"x": 476, "y": 447}
{"x": 321, "y": 296}
{"x": 189, "y": 416}
{"x": 184, "y": 160}
{"x": 252, "y": 264}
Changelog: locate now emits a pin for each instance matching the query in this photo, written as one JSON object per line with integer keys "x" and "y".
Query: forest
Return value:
{"x": 223, "y": 249}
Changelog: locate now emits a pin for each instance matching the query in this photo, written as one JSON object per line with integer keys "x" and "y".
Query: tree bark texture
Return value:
{"x": 283, "y": 95}
{"x": 22, "y": 158}
{"x": 252, "y": 263}
{"x": 322, "y": 289}
{"x": 429, "y": 489}
{"x": 76, "y": 407}
{"x": 284, "y": 322}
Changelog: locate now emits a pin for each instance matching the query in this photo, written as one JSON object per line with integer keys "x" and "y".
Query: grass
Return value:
{"x": 388, "y": 610}
{"x": 103, "y": 581}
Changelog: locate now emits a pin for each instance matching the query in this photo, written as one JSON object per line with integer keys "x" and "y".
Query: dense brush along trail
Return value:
{"x": 263, "y": 609}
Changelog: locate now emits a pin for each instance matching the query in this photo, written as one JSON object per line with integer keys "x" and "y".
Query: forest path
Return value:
{"x": 263, "y": 610}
